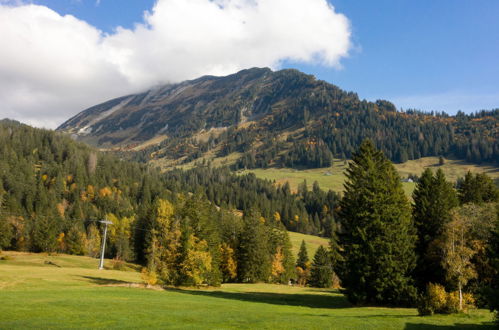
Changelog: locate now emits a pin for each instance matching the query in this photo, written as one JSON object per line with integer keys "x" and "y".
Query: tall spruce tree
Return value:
{"x": 303, "y": 262}
{"x": 477, "y": 189}
{"x": 377, "y": 236}
{"x": 321, "y": 273}
{"x": 434, "y": 198}
{"x": 254, "y": 260}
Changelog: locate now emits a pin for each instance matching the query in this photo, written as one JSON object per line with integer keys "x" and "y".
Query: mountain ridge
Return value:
{"x": 276, "y": 118}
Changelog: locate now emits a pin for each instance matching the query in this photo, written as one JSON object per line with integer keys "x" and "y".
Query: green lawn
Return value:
{"x": 72, "y": 293}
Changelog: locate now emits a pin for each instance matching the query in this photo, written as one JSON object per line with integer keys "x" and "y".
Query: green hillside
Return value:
{"x": 333, "y": 177}
{"x": 72, "y": 293}
{"x": 312, "y": 242}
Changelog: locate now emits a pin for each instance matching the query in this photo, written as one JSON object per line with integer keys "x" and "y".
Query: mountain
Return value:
{"x": 282, "y": 118}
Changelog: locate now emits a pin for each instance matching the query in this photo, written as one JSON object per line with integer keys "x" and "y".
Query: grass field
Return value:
{"x": 333, "y": 177}
{"x": 312, "y": 243}
{"x": 72, "y": 293}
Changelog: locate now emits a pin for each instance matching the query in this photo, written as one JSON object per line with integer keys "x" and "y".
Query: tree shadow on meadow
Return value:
{"x": 418, "y": 326}
{"x": 303, "y": 300}
{"x": 104, "y": 281}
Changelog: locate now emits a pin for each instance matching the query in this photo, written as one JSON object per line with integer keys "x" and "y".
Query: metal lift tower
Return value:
{"x": 101, "y": 263}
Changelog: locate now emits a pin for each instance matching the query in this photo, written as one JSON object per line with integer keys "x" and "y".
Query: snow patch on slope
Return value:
{"x": 88, "y": 128}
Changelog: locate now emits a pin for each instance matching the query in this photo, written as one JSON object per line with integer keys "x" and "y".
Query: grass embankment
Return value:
{"x": 334, "y": 177}
{"x": 312, "y": 243}
{"x": 72, "y": 293}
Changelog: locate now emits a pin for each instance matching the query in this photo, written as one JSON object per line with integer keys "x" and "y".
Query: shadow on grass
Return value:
{"x": 304, "y": 300}
{"x": 103, "y": 281}
{"x": 417, "y": 326}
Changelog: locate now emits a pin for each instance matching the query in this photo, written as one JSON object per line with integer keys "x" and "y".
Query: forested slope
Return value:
{"x": 54, "y": 191}
{"x": 284, "y": 118}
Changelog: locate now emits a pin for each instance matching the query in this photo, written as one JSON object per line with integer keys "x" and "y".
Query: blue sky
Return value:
{"x": 426, "y": 54}
{"x": 445, "y": 52}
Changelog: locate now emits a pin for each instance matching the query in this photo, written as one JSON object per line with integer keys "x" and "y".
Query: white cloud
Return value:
{"x": 53, "y": 66}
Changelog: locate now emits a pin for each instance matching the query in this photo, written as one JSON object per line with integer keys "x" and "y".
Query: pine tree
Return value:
{"x": 321, "y": 273}
{"x": 6, "y": 233}
{"x": 254, "y": 261}
{"x": 289, "y": 260}
{"x": 75, "y": 241}
{"x": 434, "y": 199}
{"x": 377, "y": 237}
{"x": 303, "y": 262}
{"x": 44, "y": 235}
{"x": 477, "y": 189}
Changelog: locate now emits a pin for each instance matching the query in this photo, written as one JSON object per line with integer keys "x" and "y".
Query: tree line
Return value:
{"x": 308, "y": 211}
{"x": 54, "y": 192}
{"x": 207, "y": 226}
{"x": 428, "y": 254}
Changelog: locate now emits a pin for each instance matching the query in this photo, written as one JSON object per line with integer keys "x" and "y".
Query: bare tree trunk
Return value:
{"x": 460, "y": 297}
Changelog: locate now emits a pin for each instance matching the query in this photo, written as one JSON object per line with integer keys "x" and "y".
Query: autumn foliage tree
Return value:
{"x": 458, "y": 252}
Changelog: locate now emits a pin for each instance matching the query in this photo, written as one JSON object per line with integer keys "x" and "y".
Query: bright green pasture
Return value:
{"x": 72, "y": 293}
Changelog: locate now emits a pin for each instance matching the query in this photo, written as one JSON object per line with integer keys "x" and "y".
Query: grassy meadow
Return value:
{"x": 42, "y": 291}
{"x": 312, "y": 243}
{"x": 334, "y": 177}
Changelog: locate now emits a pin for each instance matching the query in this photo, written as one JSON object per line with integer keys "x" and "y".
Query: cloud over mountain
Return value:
{"x": 53, "y": 66}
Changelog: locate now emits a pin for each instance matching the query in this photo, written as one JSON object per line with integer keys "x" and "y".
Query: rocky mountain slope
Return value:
{"x": 282, "y": 118}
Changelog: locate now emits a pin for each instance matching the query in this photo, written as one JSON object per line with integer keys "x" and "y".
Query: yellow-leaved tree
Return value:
{"x": 120, "y": 233}
{"x": 163, "y": 242}
{"x": 277, "y": 266}
{"x": 228, "y": 263}
{"x": 93, "y": 241}
{"x": 196, "y": 264}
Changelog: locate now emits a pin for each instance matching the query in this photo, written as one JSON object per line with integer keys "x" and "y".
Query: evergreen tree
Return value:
{"x": 6, "y": 233}
{"x": 44, "y": 235}
{"x": 321, "y": 273}
{"x": 493, "y": 254}
{"x": 434, "y": 199}
{"x": 303, "y": 262}
{"x": 335, "y": 248}
{"x": 477, "y": 189}
{"x": 289, "y": 260}
{"x": 75, "y": 241}
{"x": 377, "y": 237}
{"x": 254, "y": 260}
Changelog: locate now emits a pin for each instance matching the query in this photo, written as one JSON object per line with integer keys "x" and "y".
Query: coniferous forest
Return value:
{"x": 206, "y": 226}
{"x": 277, "y": 119}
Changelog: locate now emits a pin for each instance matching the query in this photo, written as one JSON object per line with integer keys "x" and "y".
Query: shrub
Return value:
{"x": 118, "y": 264}
{"x": 433, "y": 301}
{"x": 437, "y": 301}
{"x": 149, "y": 277}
